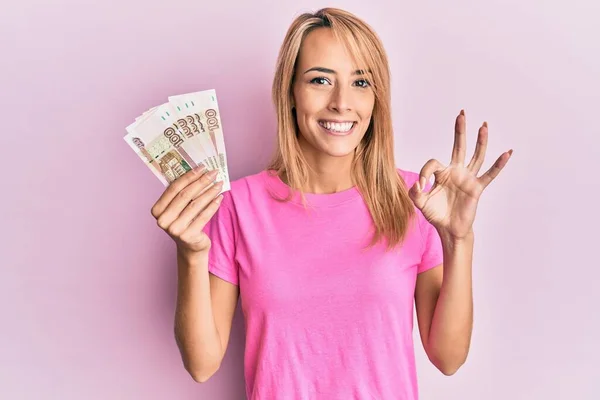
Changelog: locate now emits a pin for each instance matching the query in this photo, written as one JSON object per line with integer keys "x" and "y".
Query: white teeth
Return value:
{"x": 337, "y": 126}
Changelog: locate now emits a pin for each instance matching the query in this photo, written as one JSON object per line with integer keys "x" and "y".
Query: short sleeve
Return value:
{"x": 221, "y": 231}
{"x": 432, "y": 245}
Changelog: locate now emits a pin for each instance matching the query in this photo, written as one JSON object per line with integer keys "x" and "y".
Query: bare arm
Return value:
{"x": 444, "y": 304}
{"x": 444, "y": 296}
{"x": 205, "y": 303}
{"x": 203, "y": 318}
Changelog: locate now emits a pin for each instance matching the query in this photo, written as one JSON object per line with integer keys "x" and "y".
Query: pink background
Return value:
{"x": 87, "y": 283}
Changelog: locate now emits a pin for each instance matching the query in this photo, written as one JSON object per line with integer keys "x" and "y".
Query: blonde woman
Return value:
{"x": 329, "y": 246}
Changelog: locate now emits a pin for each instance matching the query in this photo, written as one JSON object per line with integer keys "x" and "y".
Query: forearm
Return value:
{"x": 452, "y": 323}
{"x": 195, "y": 330}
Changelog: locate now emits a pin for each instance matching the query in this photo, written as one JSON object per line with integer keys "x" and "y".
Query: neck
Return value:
{"x": 330, "y": 177}
{"x": 328, "y": 174}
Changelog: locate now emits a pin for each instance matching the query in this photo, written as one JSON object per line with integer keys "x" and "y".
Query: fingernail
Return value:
{"x": 199, "y": 168}
{"x": 510, "y": 152}
{"x": 485, "y": 124}
{"x": 213, "y": 174}
{"x": 462, "y": 112}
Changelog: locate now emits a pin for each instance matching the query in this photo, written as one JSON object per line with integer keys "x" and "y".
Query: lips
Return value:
{"x": 337, "y": 127}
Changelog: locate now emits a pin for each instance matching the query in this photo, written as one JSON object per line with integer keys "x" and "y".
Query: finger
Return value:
{"x": 417, "y": 195}
{"x": 175, "y": 187}
{"x": 460, "y": 139}
{"x": 429, "y": 169}
{"x": 480, "y": 148}
{"x": 184, "y": 197}
{"x": 194, "y": 208}
{"x": 493, "y": 172}
{"x": 197, "y": 226}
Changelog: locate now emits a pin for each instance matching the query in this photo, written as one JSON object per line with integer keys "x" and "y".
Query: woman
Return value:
{"x": 327, "y": 273}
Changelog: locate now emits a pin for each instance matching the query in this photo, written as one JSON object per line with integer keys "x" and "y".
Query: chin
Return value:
{"x": 338, "y": 150}
{"x": 339, "y": 153}
{"x": 339, "y": 146}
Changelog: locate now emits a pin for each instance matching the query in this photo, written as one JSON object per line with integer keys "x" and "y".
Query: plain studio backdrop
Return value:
{"x": 87, "y": 283}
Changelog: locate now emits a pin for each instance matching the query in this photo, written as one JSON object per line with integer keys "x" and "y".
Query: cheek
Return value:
{"x": 310, "y": 102}
{"x": 306, "y": 112}
{"x": 366, "y": 111}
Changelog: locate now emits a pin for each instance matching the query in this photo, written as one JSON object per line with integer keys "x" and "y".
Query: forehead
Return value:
{"x": 321, "y": 48}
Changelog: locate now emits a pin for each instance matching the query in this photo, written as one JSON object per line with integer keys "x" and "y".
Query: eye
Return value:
{"x": 363, "y": 83}
{"x": 319, "y": 80}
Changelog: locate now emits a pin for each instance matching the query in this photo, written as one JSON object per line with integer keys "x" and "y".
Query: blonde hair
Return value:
{"x": 373, "y": 170}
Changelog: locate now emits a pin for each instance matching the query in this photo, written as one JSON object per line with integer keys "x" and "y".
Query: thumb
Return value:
{"x": 416, "y": 195}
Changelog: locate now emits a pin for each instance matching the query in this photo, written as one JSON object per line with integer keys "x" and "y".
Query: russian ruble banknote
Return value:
{"x": 179, "y": 135}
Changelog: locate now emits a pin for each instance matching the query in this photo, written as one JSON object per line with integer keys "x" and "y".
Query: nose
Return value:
{"x": 340, "y": 99}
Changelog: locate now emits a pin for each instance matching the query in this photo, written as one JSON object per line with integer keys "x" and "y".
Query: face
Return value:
{"x": 333, "y": 98}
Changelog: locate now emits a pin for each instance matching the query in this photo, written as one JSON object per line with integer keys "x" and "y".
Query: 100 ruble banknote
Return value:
{"x": 179, "y": 135}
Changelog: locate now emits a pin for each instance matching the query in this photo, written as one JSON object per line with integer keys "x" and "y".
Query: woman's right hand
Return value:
{"x": 186, "y": 206}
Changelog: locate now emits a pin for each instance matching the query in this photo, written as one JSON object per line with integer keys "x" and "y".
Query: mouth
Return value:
{"x": 338, "y": 128}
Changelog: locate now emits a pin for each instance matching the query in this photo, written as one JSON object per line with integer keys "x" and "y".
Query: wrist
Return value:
{"x": 457, "y": 240}
{"x": 190, "y": 257}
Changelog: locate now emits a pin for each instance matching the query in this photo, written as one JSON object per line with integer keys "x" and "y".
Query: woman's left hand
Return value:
{"x": 451, "y": 204}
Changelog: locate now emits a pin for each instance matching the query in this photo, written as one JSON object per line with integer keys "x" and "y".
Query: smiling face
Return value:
{"x": 333, "y": 98}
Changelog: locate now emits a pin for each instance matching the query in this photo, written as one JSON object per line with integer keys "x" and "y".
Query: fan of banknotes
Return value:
{"x": 179, "y": 135}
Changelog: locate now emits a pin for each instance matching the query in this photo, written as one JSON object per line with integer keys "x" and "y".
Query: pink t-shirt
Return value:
{"x": 324, "y": 318}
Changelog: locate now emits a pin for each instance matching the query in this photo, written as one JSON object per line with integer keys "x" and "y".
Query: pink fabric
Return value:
{"x": 324, "y": 318}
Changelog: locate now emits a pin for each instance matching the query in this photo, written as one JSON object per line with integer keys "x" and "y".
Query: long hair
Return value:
{"x": 373, "y": 170}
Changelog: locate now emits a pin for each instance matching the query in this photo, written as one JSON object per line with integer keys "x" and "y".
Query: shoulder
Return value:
{"x": 245, "y": 188}
{"x": 248, "y": 184}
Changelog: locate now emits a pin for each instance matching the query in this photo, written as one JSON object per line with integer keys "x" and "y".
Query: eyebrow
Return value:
{"x": 330, "y": 71}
